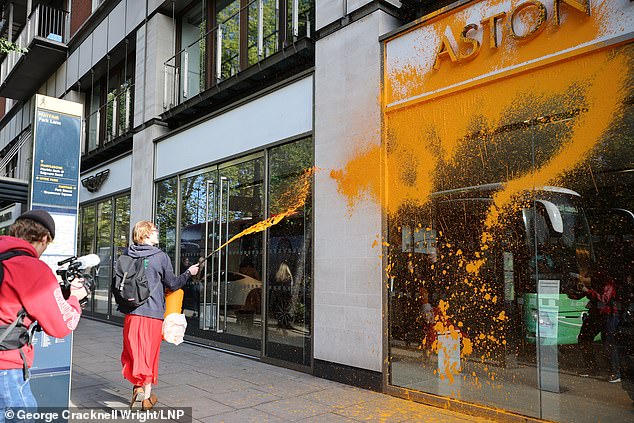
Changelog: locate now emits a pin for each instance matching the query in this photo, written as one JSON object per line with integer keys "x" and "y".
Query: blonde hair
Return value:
{"x": 142, "y": 230}
{"x": 283, "y": 274}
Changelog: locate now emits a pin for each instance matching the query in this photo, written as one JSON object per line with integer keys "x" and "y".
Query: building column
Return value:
{"x": 348, "y": 271}
{"x": 154, "y": 47}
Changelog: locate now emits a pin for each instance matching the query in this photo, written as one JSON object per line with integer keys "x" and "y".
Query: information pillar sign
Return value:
{"x": 54, "y": 188}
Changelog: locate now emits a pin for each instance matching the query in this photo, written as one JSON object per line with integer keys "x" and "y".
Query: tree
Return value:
{"x": 7, "y": 46}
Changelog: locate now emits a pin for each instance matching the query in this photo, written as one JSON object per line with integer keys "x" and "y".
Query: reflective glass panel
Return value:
{"x": 193, "y": 48}
{"x": 166, "y": 204}
{"x": 125, "y": 103}
{"x": 194, "y": 223}
{"x": 510, "y": 232}
{"x": 104, "y": 251}
{"x": 289, "y": 254}
{"x": 87, "y": 237}
{"x": 299, "y": 18}
{"x": 228, "y": 22}
{"x": 94, "y": 117}
{"x": 121, "y": 238}
{"x": 263, "y": 29}
{"x": 241, "y": 260}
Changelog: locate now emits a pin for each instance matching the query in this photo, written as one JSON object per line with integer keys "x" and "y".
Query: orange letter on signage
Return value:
{"x": 493, "y": 28}
{"x": 541, "y": 19}
{"x": 444, "y": 49}
{"x": 475, "y": 49}
{"x": 576, "y": 4}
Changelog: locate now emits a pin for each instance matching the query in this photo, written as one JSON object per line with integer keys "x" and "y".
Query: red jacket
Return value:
{"x": 30, "y": 283}
{"x": 605, "y": 299}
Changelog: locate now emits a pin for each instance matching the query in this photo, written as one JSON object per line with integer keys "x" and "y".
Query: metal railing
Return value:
{"x": 116, "y": 114}
{"x": 185, "y": 73}
{"x": 44, "y": 21}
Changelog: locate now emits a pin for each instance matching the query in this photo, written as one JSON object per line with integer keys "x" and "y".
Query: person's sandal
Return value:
{"x": 136, "y": 391}
{"x": 147, "y": 404}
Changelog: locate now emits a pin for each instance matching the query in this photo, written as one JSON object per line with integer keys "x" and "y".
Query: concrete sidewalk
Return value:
{"x": 221, "y": 387}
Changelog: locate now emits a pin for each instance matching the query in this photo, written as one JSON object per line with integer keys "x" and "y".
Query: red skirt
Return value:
{"x": 141, "y": 347}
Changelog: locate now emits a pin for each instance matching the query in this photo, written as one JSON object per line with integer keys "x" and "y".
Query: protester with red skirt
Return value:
{"x": 142, "y": 327}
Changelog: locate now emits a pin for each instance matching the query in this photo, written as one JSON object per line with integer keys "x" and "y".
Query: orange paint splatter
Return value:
{"x": 361, "y": 177}
{"x": 415, "y": 79}
{"x": 294, "y": 198}
{"x": 450, "y": 140}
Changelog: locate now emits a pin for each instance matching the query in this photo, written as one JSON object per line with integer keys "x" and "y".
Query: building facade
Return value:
{"x": 412, "y": 197}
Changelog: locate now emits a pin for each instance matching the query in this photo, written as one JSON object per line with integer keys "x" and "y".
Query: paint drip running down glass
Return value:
{"x": 293, "y": 198}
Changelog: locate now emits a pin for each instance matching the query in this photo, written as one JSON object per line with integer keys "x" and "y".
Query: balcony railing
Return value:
{"x": 45, "y": 22}
{"x": 116, "y": 114}
{"x": 219, "y": 50}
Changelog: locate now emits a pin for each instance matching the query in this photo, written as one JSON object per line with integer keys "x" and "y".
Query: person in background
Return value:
{"x": 142, "y": 326}
{"x": 29, "y": 284}
{"x": 248, "y": 268}
{"x": 426, "y": 320}
{"x": 602, "y": 317}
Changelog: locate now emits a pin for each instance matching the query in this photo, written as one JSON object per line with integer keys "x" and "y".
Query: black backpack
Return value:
{"x": 130, "y": 286}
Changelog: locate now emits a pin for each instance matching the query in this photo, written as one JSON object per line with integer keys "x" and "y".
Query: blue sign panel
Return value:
{"x": 51, "y": 354}
{"x": 55, "y": 160}
{"x": 54, "y": 187}
{"x": 50, "y": 373}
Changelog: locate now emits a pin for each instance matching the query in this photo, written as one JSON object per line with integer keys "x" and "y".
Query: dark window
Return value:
{"x": 110, "y": 105}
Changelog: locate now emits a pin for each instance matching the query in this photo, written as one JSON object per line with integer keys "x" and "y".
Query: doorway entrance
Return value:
{"x": 224, "y": 303}
{"x": 254, "y": 294}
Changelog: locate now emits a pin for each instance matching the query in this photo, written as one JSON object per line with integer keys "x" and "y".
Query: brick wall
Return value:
{"x": 80, "y": 12}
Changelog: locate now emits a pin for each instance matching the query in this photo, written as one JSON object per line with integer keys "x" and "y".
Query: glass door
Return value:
{"x": 211, "y": 276}
{"x": 104, "y": 251}
{"x": 225, "y": 304}
{"x": 104, "y": 225}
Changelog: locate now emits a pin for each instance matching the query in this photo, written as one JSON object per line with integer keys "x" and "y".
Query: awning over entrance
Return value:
{"x": 13, "y": 191}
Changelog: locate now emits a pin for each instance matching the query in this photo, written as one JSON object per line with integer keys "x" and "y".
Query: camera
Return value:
{"x": 74, "y": 268}
{"x": 571, "y": 285}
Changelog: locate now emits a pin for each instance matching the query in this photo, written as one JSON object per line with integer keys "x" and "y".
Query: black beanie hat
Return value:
{"x": 42, "y": 217}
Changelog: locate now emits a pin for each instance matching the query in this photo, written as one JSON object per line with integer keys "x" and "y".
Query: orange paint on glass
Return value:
{"x": 454, "y": 119}
{"x": 293, "y": 199}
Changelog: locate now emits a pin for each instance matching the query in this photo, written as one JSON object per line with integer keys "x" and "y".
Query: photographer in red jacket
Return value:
{"x": 30, "y": 285}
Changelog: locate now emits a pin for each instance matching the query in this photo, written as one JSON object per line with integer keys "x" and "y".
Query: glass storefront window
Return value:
{"x": 193, "y": 224}
{"x": 226, "y": 302}
{"x": 104, "y": 230}
{"x": 166, "y": 204}
{"x": 88, "y": 227}
{"x": 289, "y": 254}
{"x": 510, "y": 259}
{"x": 217, "y": 204}
{"x": 104, "y": 251}
{"x": 121, "y": 237}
